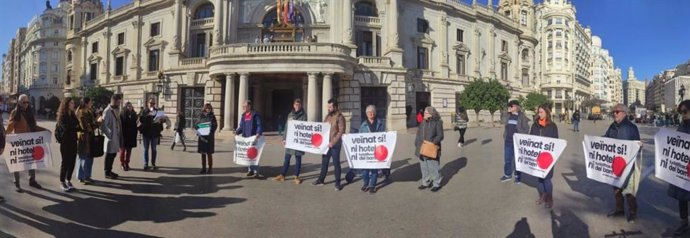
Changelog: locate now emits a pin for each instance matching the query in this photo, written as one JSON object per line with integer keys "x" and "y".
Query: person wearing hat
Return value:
{"x": 515, "y": 121}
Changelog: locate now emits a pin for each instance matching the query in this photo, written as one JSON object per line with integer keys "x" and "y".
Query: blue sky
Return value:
{"x": 649, "y": 35}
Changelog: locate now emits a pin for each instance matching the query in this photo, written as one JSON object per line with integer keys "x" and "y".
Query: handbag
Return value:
{"x": 428, "y": 149}
{"x": 97, "y": 145}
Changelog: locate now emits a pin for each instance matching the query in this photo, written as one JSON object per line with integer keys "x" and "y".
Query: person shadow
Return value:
{"x": 521, "y": 230}
{"x": 452, "y": 168}
{"x": 568, "y": 225}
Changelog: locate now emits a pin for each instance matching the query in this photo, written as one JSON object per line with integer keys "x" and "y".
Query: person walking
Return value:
{"x": 66, "y": 133}
{"x": 576, "y": 121}
{"x": 545, "y": 127}
{"x": 515, "y": 121}
{"x": 682, "y": 195}
{"x": 337, "y": 122}
{"x": 431, "y": 130}
{"x": 206, "y": 146}
{"x": 250, "y": 125}
{"x": 461, "y": 121}
{"x": 129, "y": 118}
{"x": 297, "y": 113}
{"x": 371, "y": 124}
{"x": 22, "y": 120}
{"x": 180, "y": 123}
{"x": 112, "y": 130}
{"x": 85, "y": 134}
{"x": 623, "y": 129}
{"x": 150, "y": 128}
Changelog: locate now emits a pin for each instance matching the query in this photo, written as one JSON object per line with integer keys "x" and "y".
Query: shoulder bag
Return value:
{"x": 428, "y": 149}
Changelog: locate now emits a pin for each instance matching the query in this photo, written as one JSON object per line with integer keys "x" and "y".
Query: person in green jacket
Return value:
{"x": 298, "y": 114}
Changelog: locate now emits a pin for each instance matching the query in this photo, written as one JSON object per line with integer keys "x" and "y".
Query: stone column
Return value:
{"x": 393, "y": 25}
{"x": 242, "y": 95}
{"x": 326, "y": 93}
{"x": 228, "y": 114}
{"x": 258, "y": 100}
{"x": 347, "y": 23}
{"x": 445, "y": 69}
{"x": 311, "y": 97}
{"x": 178, "y": 21}
{"x": 218, "y": 23}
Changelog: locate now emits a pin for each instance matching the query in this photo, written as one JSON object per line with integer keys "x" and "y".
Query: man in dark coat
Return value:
{"x": 150, "y": 129}
{"x": 515, "y": 121}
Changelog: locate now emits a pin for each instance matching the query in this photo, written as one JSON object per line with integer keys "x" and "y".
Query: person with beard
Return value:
{"x": 296, "y": 114}
{"x": 67, "y": 123}
{"x": 22, "y": 120}
{"x": 129, "y": 134}
{"x": 112, "y": 130}
{"x": 206, "y": 145}
{"x": 337, "y": 122}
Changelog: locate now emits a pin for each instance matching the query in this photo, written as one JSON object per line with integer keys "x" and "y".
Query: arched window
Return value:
{"x": 365, "y": 8}
{"x": 525, "y": 54}
{"x": 204, "y": 11}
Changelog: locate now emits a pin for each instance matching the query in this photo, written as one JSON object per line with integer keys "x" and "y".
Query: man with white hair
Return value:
{"x": 22, "y": 120}
{"x": 623, "y": 129}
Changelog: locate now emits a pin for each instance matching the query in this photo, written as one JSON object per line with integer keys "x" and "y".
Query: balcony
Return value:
{"x": 367, "y": 21}
{"x": 193, "y": 63}
{"x": 374, "y": 62}
{"x": 202, "y": 23}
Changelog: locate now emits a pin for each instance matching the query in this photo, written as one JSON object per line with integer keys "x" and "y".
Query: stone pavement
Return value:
{"x": 176, "y": 201}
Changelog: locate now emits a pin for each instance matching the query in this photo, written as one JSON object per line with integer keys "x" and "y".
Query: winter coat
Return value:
{"x": 207, "y": 143}
{"x": 673, "y": 190}
{"x": 150, "y": 128}
{"x": 522, "y": 126}
{"x": 337, "y": 121}
{"x": 550, "y": 130}
{"x": 87, "y": 128}
{"x": 379, "y": 126}
{"x": 298, "y": 116}
{"x": 626, "y": 130}
{"x": 251, "y": 127}
{"x": 26, "y": 123}
{"x": 430, "y": 130}
{"x": 129, "y": 129}
{"x": 69, "y": 124}
{"x": 180, "y": 123}
{"x": 112, "y": 130}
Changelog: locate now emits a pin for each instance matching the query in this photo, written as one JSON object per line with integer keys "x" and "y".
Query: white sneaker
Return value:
{"x": 64, "y": 187}
{"x": 460, "y": 145}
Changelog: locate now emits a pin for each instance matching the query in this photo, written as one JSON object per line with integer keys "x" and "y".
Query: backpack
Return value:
{"x": 59, "y": 132}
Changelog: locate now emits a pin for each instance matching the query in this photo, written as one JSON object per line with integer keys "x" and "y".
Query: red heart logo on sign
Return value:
{"x": 252, "y": 152}
{"x": 618, "y": 166}
{"x": 687, "y": 167}
{"x": 38, "y": 153}
{"x": 316, "y": 139}
{"x": 544, "y": 160}
{"x": 381, "y": 153}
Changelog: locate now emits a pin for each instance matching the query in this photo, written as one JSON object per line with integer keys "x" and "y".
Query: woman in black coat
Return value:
{"x": 207, "y": 143}
{"x": 66, "y": 133}
{"x": 129, "y": 118}
{"x": 543, "y": 126}
{"x": 680, "y": 194}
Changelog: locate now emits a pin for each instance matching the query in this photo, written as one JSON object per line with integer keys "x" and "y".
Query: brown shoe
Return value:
{"x": 279, "y": 178}
{"x": 541, "y": 199}
{"x": 297, "y": 180}
{"x": 548, "y": 201}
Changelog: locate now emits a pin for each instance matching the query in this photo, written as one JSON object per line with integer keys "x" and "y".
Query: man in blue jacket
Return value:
{"x": 250, "y": 125}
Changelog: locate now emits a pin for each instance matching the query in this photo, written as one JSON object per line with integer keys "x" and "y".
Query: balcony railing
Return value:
{"x": 374, "y": 61}
{"x": 189, "y": 63}
{"x": 202, "y": 22}
{"x": 460, "y": 4}
{"x": 366, "y": 20}
{"x": 280, "y": 48}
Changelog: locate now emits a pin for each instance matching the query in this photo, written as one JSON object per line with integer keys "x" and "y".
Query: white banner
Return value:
{"x": 370, "y": 150}
{"x": 312, "y": 137}
{"x": 248, "y": 150}
{"x": 536, "y": 155}
{"x": 27, "y": 151}
{"x": 672, "y": 152}
{"x": 609, "y": 160}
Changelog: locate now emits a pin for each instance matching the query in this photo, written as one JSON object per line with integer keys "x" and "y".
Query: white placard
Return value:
{"x": 672, "y": 157}
{"x": 609, "y": 160}
{"x": 248, "y": 150}
{"x": 536, "y": 155}
{"x": 370, "y": 150}
{"x": 25, "y": 151}
{"x": 312, "y": 137}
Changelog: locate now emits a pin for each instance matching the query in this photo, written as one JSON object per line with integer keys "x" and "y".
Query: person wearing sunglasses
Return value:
{"x": 516, "y": 122}
{"x": 22, "y": 120}
{"x": 623, "y": 129}
{"x": 682, "y": 195}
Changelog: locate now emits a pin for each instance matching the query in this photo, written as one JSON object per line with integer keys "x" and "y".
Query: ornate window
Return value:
{"x": 365, "y": 8}
{"x": 204, "y": 11}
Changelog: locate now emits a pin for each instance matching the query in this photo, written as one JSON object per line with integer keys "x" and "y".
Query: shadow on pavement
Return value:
{"x": 487, "y": 141}
{"x": 521, "y": 230}
{"x": 568, "y": 225}
{"x": 58, "y": 228}
{"x": 624, "y": 233}
{"x": 452, "y": 168}
{"x": 470, "y": 141}
{"x": 172, "y": 185}
{"x": 408, "y": 173}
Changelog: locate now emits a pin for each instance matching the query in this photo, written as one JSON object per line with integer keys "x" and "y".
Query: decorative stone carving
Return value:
{"x": 247, "y": 7}
{"x": 321, "y": 10}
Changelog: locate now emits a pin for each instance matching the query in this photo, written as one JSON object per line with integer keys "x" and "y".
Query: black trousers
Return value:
{"x": 683, "y": 209}
{"x": 462, "y": 135}
{"x": 109, "y": 159}
{"x": 69, "y": 159}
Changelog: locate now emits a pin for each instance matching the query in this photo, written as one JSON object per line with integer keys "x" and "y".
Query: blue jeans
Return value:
{"x": 370, "y": 176}
{"x": 286, "y": 164}
{"x": 333, "y": 152}
{"x": 576, "y": 125}
{"x": 545, "y": 185}
{"x": 509, "y": 159}
{"x": 85, "y": 165}
{"x": 152, "y": 143}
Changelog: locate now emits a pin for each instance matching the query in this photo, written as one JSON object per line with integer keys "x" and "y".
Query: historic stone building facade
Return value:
{"x": 633, "y": 89}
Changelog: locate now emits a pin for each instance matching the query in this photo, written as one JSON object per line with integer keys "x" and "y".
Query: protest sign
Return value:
{"x": 312, "y": 137}
{"x": 25, "y": 151}
{"x": 204, "y": 129}
{"x": 672, "y": 153}
{"x": 536, "y": 155}
{"x": 248, "y": 150}
{"x": 609, "y": 160}
{"x": 369, "y": 150}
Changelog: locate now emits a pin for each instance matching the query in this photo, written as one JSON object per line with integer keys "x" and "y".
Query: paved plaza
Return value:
{"x": 175, "y": 201}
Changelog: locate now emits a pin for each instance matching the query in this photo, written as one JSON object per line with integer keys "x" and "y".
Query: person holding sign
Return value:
{"x": 371, "y": 124}
{"x": 297, "y": 114}
{"x": 206, "y": 145}
{"x": 680, "y": 194}
{"x": 150, "y": 129}
{"x": 430, "y": 134}
{"x": 66, "y": 133}
{"x": 250, "y": 125}
{"x": 337, "y": 122}
{"x": 547, "y": 128}
{"x": 623, "y": 129}
{"x": 516, "y": 122}
{"x": 22, "y": 120}
{"x": 87, "y": 127}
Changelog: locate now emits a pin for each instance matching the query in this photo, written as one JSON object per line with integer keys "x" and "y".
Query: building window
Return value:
{"x": 504, "y": 71}
{"x": 204, "y": 11}
{"x": 504, "y": 46}
{"x": 55, "y": 68}
{"x": 523, "y": 18}
{"x": 155, "y": 29}
{"x": 507, "y": 13}
{"x": 55, "y": 80}
{"x": 422, "y": 25}
{"x": 461, "y": 65}
{"x": 365, "y": 8}
{"x": 121, "y": 38}
{"x": 68, "y": 80}
{"x": 94, "y": 47}
{"x": 154, "y": 57}
{"x": 199, "y": 45}
{"x": 71, "y": 22}
{"x": 69, "y": 56}
{"x": 93, "y": 69}
{"x": 525, "y": 55}
{"x": 460, "y": 35}
{"x": 365, "y": 43}
{"x": 422, "y": 58}
{"x": 525, "y": 77}
{"x": 119, "y": 65}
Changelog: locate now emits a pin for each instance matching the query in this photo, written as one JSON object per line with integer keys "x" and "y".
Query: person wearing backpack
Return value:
{"x": 66, "y": 135}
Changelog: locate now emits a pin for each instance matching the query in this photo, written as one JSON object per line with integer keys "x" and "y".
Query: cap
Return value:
{"x": 513, "y": 103}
